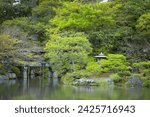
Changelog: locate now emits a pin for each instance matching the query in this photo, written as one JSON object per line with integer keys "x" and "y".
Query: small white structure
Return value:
{"x": 100, "y": 56}
{"x": 16, "y": 2}
{"x": 105, "y": 1}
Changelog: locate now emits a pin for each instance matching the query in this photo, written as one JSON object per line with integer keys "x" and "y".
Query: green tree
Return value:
{"x": 116, "y": 63}
{"x": 45, "y": 10}
{"x": 9, "y": 9}
{"x": 68, "y": 53}
{"x": 143, "y": 23}
{"x": 130, "y": 40}
{"x": 93, "y": 19}
{"x": 6, "y": 46}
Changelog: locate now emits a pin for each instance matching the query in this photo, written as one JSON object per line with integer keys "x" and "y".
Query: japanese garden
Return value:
{"x": 74, "y": 49}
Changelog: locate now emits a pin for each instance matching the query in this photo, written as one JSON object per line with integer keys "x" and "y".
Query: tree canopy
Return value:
{"x": 72, "y": 32}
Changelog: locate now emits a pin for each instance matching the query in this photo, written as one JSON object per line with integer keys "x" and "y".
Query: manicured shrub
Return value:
{"x": 116, "y": 63}
{"x": 141, "y": 65}
{"x": 94, "y": 68}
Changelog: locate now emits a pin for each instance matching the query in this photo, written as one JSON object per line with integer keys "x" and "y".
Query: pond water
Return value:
{"x": 49, "y": 89}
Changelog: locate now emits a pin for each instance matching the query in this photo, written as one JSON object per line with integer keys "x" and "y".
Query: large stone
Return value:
{"x": 3, "y": 77}
{"x": 82, "y": 80}
{"x": 12, "y": 75}
{"x": 135, "y": 81}
{"x": 110, "y": 82}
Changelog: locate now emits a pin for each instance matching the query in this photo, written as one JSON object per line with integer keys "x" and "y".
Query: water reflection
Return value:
{"x": 37, "y": 88}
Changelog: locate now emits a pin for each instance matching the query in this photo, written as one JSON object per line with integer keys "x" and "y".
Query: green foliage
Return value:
{"x": 115, "y": 63}
{"x": 142, "y": 69}
{"x": 146, "y": 73}
{"x": 95, "y": 21}
{"x": 142, "y": 65}
{"x": 15, "y": 70}
{"x": 94, "y": 68}
{"x": 80, "y": 17}
{"x": 7, "y": 45}
{"x": 67, "y": 79}
{"x": 68, "y": 53}
{"x": 146, "y": 83}
{"x": 143, "y": 22}
{"x": 45, "y": 10}
{"x": 25, "y": 26}
{"x": 124, "y": 73}
{"x": 103, "y": 82}
{"x": 116, "y": 78}
{"x": 9, "y": 10}
{"x": 77, "y": 30}
{"x": 70, "y": 78}
{"x": 22, "y": 22}
{"x": 132, "y": 40}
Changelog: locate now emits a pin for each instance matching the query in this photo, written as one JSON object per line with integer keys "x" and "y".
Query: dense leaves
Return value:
{"x": 73, "y": 31}
{"x": 7, "y": 46}
{"x": 68, "y": 53}
{"x": 11, "y": 9}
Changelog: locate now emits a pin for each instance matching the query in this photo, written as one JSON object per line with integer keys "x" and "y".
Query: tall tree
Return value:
{"x": 68, "y": 53}
{"x": 10, "y": 9}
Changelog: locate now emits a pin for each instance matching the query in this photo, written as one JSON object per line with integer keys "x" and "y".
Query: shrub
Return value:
{"x": 2, "y": 70}
{"x": 145, "y": 74}
{"x": 67, "y": 79}
{"x": 116, "y": 78}
{"x": 146, "y": 83}
{"x": 70, "y": 77}
{"x": 94, "y": 68}
{"x": 104, "y": 82}
{"x": 16, "y": 70}
{"x": 124, "y": 73}
{"x": 143, "y": 68}
{"x": 116, "y": 63}
{"x": 142, "y": 65}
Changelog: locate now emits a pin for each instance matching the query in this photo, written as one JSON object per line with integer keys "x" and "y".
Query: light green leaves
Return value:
{"x": 143, "y": 23}
{"x": 68, "y": 53}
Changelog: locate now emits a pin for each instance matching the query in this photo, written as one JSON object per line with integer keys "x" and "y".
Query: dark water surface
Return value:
{"x": 51, "y": 90}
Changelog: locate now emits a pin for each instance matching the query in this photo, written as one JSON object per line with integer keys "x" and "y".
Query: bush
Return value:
{"x": 70, "y": 77}
{"x": 94, "y": 68}
{"x": 67, "y": 79}
{"x": 16, "y": 70}
{"x": 116, "y": 63}
{"x": 143, "y": 68}
{"x": 142, "y": 65}
{"x": 146, "y": 83}
{"x": 146, "y": 73}
{"x": 116, "y": 78}
{"x": 124, "y": 73}
{"x": 104, "y": 82}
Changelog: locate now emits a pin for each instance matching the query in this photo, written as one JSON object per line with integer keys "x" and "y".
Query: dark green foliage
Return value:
{"x": 133, "y": 37}
{"x": 45, "y": 10}
{"x": 142, "y": 65}
{"x": 10, "y": 10}
{"x": 146, "y": 83}
{"x": 15, "y": 70}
